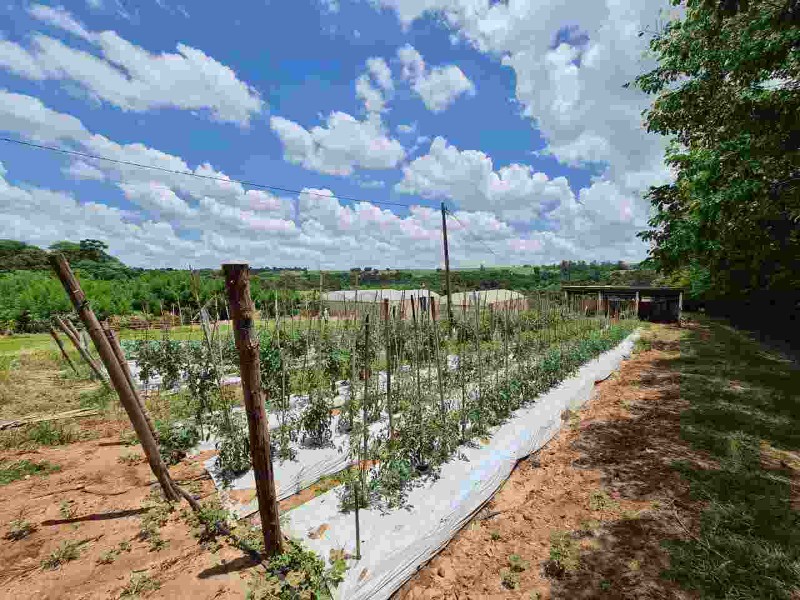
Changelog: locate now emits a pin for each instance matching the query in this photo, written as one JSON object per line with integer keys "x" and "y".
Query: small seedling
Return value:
{"x": 19, "y": 529}
{"x": 66, "y": 509}
{"x": 106, "y": 558}
{"x": 157, "y": 514}
{"x": 600, "y": 500}
{"x": 139, "y": 583}
{"x": 129, "y": 458}
{"x": 517, "y": 564}
{"x": 565, "y": 553}
{"x": 509, "y": 579}
{"x": 495, "y": 535}
{"x": 631, "y": 515}
{"x": 66, "y": 551}
{"x": 605, "y": 585}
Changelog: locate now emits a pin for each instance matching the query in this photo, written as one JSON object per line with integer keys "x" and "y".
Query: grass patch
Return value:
{"x": 138, "y": 584}
{"x": 21, "y": 469}
{"x": 600, "y": 500}
{"x": 749, "y": 541}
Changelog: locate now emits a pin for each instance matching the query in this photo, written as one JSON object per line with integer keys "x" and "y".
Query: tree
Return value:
{"x": 727, "y": 92}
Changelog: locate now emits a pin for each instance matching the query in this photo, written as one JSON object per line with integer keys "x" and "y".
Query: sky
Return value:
{"x": 327, "y": 133}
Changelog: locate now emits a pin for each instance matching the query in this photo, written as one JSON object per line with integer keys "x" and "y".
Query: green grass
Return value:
{"x": 749, "y": 542}
{"x": 13, "y": 471}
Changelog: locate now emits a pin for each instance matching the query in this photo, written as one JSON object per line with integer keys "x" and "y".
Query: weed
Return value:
{"x": 19, "y": 529}
{"x": 590, "y": 526}
{"x": 66, "y": 509}
{"x": 66, "y": 551}
{"x": 605, "y": 585}
{"x": 297, "y": 573}
{"x": 509, "y": 579}
{"x": 106, "y": 558}
{"x": 157, "y": 515}
{"x": 631, "y": 515}
{"x": 139, "y": 583}
{"x": 48, "y": 433}
{"x": 129, "y": 458}
{"x": 517, "y": 564}
{"x": 8, "y": 364}
{"x": 495, "y": 535}
{"x": 22, "y": 469}
{"x": 600, "y": 500}
{"x": 176, "y": 440}
{"x": 565, "y": 553}
{"x": 128, "y": 438}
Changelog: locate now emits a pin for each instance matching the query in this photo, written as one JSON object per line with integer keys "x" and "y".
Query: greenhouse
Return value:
{"x": 491, "y": 299}
{"x": 351, "y": 303}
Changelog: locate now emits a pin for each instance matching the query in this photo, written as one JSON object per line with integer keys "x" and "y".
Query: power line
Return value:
{"x": 464, "y": 227}
{"x": 190, "y": 174}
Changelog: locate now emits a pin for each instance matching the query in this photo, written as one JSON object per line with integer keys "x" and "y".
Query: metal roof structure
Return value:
{"x": 617, "y": 289}
{"x": 483, "y": 297}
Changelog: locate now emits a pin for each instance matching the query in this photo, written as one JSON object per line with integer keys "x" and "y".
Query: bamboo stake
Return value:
{"x": 126, "y": 395}
{"x": 63, "y": 351}
{"x": 387, "y": 335}
{"x": 81, "y": 350}
{"x": 237, "y": 282}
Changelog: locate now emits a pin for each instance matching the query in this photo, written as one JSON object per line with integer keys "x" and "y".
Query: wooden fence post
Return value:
{"x": 63, "y": 351}
{"x": 237, "y": 283}
{"x": 126, "y": 395}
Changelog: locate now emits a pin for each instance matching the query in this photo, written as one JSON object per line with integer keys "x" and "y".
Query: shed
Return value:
{"x": 649, "y": 303}
{"x": 492, "y": 299}
{"x": 351, "y": 303}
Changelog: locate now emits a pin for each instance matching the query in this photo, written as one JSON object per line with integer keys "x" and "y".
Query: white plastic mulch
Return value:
{"x": 395, "y": 544}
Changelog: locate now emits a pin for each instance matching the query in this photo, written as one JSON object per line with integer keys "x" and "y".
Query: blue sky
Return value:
{"x": 512, "y": 114}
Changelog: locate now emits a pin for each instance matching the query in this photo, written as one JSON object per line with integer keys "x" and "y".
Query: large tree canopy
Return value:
{"x": 728, "y": 94}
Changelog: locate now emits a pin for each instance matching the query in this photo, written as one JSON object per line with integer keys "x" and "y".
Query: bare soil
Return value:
{"x": 103, "y": 499}
{"x": 605, "y": 479}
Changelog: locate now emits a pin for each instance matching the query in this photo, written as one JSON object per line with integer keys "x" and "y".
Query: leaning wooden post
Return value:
{"x": 63, "y": 351}
{"x": 117, "y": 375}
{"x": 237, "y": 283}
{"x": 62, "y": 324}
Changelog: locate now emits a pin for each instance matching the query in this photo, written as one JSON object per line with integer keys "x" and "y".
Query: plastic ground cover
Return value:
{"x": 396, "y": 543}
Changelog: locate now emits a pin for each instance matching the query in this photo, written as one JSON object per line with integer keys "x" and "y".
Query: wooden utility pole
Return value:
{"x": 237, "y": 284}
{"x": 118, "y": 379}
{"x": 446, "y": 268}
{"x": 63, "y": 351}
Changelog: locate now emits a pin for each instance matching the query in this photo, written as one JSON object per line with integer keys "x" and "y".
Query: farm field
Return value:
{"x": 87, "y": 495}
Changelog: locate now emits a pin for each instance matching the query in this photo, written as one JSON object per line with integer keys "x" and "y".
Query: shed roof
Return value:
{"x": 375, "y": 295}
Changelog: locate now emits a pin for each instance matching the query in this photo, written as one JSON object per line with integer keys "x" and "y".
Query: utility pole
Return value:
{"x": 446, "y": 268}
{"x": 237, "y": 283}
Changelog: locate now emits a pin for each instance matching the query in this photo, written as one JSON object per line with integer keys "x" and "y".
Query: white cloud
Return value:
{"x": 28, "y": 115}
{"x": 438, "y": 87}
{"x": 341, "y": 145}
{"x": 129, "y": 76}
{"x": 381, "y": 72}
{"x": 374, "y": 96}
{"x": 80, "y": 169}
{"x": 468, "y": 178}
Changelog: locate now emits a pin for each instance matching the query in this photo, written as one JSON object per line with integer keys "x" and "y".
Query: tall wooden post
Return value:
{"x": 63, "y": 351}
{"x": 116, "y": 374}
{"x": 637, "y": 304}
{"x": 237, "y": 283}
{"x": 446, "y": 268}
{"x": 387, "y": 335}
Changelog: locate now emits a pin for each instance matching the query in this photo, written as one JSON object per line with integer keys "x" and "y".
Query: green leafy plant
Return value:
{"x": 139, "y": 583}
{"x": 564, "y": 554}
{"x": 509, "y": 579}
{"x": 19, "y": 529}
{"x": 175, "y": 440}
{"x": 66, "y": 551}
{"x": 66, "y": 509}
{"x": 21, "y": 469}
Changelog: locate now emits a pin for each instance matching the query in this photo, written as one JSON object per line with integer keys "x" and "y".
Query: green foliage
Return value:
{"x": 233, "y": 449}
{"x": 20, "y": 469}
{"x": 139, "y": 583}
{"x": 294, "y": 575}
{"x": 565, "y": 553}
{"x": 175, "y": 440}
{"x": 67, "y": 550}
{"x": 316, "y": 421}
{"x": 726, "y": 89}
{"x": 19, "y": 529}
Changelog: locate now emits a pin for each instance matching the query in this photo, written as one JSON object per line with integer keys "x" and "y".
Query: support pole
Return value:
{"x": 637, "y": 304}
{"x": 237, "y": 283}
{"x": 387, "y": 335}
{"x": 126, "y": 395}
{"x": 447, "y": 269}
{"x": 63, "y": 351}
{"x": 69, "y": 332}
